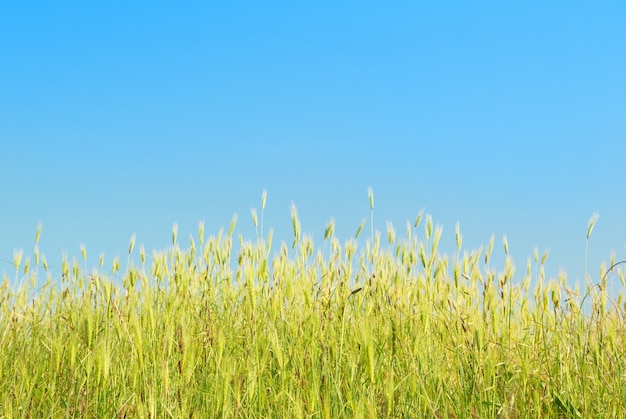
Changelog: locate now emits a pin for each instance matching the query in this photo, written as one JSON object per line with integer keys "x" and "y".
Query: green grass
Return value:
{"x": 390, "y": 329}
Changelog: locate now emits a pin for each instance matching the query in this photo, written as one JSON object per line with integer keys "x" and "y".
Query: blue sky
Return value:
{"x": 125, "y": 117}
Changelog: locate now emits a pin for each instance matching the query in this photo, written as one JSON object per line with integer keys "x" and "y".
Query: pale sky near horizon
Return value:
{"x": 122, "y": 118}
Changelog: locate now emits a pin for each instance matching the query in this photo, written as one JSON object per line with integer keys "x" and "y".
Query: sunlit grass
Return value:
{"x": 349, "y": 329}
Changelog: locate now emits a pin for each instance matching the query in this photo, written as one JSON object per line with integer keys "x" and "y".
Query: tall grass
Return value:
{"x": 379, "y": 330}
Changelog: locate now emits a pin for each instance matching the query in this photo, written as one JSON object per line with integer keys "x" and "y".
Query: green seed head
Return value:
{"x": 436, "y": 238}
{"x": 592, "y": 222}
{"x": 116, "y": 265}
{"x": 233, "y": 224}
{"x": 255, "y": 218}
{"x": 131, "y": 246}
{"x": 489, "y": 249}
{"x": 429, "y": 226}
{"x": 26, "y": 266}
{"x": 296, "y": 224}
{"x": 358, "y": 231}
{"x": 418, "y": 219}
{"x": 330, "y": 229}
{"x": 370, "y": 194}
{"x": 17, "y": 258}
{"x": 612, "y": 262}
{"x": 201, "y": 232}
{"x": 65, "y": 270}
{"x": 263, "y": 199}
{"x": 192, "y": 244}
{"x": 391, "y": 233}
{"x": 38, "y": 233}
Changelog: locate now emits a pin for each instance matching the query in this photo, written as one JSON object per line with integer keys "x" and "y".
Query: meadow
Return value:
{"x": 368, "y": 327}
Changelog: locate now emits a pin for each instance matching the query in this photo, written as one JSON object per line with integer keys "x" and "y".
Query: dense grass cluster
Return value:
{"x": 392, "y": 329}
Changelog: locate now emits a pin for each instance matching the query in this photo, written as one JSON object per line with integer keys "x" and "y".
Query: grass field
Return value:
{"x": 369, "y": 327}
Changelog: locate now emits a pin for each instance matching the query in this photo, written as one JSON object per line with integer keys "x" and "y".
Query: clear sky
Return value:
{"x": 125, "y": 117}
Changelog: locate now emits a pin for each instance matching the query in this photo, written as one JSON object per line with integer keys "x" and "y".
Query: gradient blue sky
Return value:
{"x": 125, "y": 117}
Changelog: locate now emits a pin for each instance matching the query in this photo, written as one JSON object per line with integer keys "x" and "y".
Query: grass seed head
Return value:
{"x": 174, "y": 233}
{"x": 255, "y": 218}
{"x": 233, "y": 224}
{"x": 429, "y": 226}
{"x": 38, "y": 233}
{"x": 358, "y": 230}
{"x": 17, "y": 258}
{"x": 330, "y": 229}
{"x": 27, "y": 266}
{"x": 201, "y": 233}
{"x": 131, "y": 245}
{"x": 592, "y": 222}
{"x": 192, "y": 244}
{"x": 263, "y": 199}
{"x": 296, "y": 224}
{"x": 458, "y": 236}
{"x": 489, "y": 249}
{"x": 418, "y": 219}
{"x": 116, "y": 265}
{"x": 391, "y": 233}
